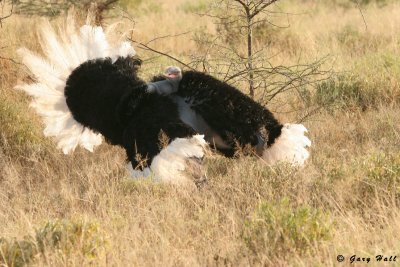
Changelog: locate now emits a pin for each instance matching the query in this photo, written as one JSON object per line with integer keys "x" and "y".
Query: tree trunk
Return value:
{"x": 250, "y": 55}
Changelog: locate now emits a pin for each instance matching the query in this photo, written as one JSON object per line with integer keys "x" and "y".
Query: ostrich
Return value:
{"x": 87, "y": 88}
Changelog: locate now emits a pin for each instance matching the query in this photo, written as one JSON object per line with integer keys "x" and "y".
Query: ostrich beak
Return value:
{"x": 171, "y": 75}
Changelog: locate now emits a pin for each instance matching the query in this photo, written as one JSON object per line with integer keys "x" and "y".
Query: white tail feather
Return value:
{"x": 170, "y": 164}
{"x": 64, "y": 51}
{"x": 290, "y": 146}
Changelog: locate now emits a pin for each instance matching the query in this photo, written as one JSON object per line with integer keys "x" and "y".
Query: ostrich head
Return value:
{"x": 173, "y": 73}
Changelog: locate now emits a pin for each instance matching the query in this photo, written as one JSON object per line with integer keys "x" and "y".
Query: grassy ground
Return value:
{"x": 82, "y": 209}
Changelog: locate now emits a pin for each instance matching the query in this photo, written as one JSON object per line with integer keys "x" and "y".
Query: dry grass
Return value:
{"x": 344, "y": 201}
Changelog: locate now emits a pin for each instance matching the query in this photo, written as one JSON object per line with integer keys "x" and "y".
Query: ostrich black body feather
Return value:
{"x": 111, "y": 99}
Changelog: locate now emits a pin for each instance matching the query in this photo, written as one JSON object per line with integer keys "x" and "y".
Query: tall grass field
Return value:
{"x": 342, "y": 208}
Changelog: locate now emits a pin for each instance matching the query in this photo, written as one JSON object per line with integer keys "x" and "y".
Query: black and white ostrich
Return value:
{"x": 87, "y": 87}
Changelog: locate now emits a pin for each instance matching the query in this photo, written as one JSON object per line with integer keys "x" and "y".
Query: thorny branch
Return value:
{"x": 148, "y": 48}
{"x": 225, "y": 57}
{"x": 246, "y": 18}
{"x": 166, "y": 36}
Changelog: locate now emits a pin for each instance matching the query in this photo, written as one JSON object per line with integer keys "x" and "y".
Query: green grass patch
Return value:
{"x": 347, "y": 4}
{"x": 195, "y": 7}
{"x": 58, "y": 236}
{"x": 20, "y": 133}
{"x": 280, "y": 228}
{"x": 373, "y": 81}
{"x": 343, "y": 91}
{"x": 17, "y": 253}
{"x": 145, "y": 185}
{"x": 381, "y": 178}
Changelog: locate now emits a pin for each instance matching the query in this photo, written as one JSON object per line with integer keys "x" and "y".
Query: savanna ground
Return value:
{"x": 82, "y": 209}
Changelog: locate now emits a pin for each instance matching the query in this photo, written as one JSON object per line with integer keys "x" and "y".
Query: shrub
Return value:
{"x": 17, "y": 253}
{"x": 19, "y": 133}
{"x": 196, "y": 7}
{"x": 357, "y": 42}
{"x": 382, "y": 179}
{"x": 70, "y": 236}
{"x": 342, "y": 91}
{"x": 65, "y": 237}
{"x": 366, "y": 2}
{"x": 280, "y": 228}
{"x": 346, "y": 4}
{"x": 371, "y": 82}
{"x": 349, "y": 36}
{"x": 130, "y": 4}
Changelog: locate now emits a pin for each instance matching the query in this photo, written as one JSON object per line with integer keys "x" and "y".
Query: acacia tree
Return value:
{"x": 232, "y": 55}
{"x": 251, "y": 9}
{"x": 225, "y": 55}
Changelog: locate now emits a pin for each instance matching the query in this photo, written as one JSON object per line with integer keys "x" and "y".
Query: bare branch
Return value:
{"x": 263, "y": 6}
{"x": 146, "y": 47}
{"x": 234, "y": 57}
{"x": 362, "y": 14}
{"x": 8, "y": 15}
{"x": 166, "y": 36}
{"x": 244, "y": 5}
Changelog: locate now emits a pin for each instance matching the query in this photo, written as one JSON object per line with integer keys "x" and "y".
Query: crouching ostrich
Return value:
{"x": 228, "y": 118}
{"x": 87, "y": 87}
